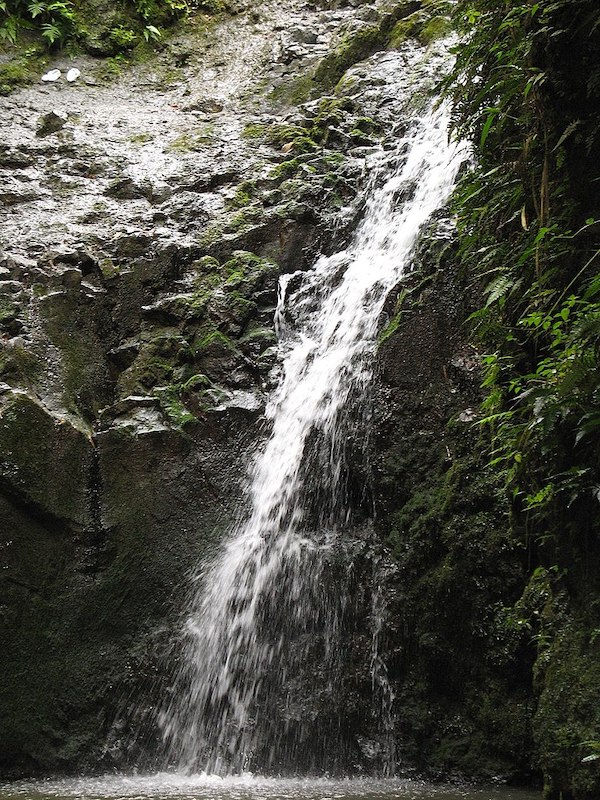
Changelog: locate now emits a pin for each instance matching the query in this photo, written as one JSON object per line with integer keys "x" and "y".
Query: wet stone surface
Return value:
{"x": 113, "y": 189}
{"x": 146, "y": 217}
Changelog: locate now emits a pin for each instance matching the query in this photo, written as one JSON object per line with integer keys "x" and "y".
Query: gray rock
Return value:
{"x": 125, "y": 354}
{"x": 14, "y": 192}
{"x": 10, "y": 287}
{"x": 160, "y": 192}
{"x": 206, "y": 105}
{"x": 71, "y": 278}
{"x": 239, "y": 400}
{"x": 51, "y": 122}
{"x": 128, "y": 189}
{"x": 302, "y": 35}
{"x": 128, "y": 404}
{"x": 367, "y": 14}
{"x": 12, "y": 158}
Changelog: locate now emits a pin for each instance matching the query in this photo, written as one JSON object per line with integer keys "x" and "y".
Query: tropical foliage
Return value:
{"x": 526, "y": 89}
{"x": 54, "y": 19}
{"x": 59, "y": 21}
{"x": 526, "y": 93}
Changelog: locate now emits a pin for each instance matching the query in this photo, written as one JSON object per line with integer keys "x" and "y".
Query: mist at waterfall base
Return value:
{"x": 203, "y": 787}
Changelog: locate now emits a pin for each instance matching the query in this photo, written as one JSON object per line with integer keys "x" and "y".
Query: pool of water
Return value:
{"x": 209, "y": 787}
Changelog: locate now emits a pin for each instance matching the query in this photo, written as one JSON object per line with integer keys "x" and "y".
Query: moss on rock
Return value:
{"x": 43, "y": 458}
{"x": 22, "y": 70}
{"x": 354, "y": 47}
{"x": 567, "y": 720}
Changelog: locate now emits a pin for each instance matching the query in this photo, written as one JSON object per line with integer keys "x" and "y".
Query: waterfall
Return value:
{"x": 263, "y": 609}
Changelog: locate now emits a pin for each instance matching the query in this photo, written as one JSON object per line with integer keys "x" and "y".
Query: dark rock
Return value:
{"x": 159, "y": 193}
{"x": 44, "y": 460}
{"x": 51, "y": 122}
{"x": 206, "y": 105}
{"x": 10, "y": 287}
{"x": 13, "y": 158}
{"x": 127, "y": 404}
{"x": 124, "y": 355}
{"x": 302, "y": 35}
{"x": 128, "y": 189}
{"x": 14, "y": 192}
{"x": 133, "y": 245}
{"x": 207, "y": 183}
{"x": 18, "y": 266}
{"x": 71, "y": 278}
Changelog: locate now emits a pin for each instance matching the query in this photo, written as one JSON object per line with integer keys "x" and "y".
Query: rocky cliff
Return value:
{"x": 149, "y": 207}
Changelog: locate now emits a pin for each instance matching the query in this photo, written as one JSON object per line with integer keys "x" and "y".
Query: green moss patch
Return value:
{"x": 25, "y": 67}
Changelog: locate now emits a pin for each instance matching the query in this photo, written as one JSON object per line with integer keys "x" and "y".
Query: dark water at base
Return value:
{"x": 207, "y": 787}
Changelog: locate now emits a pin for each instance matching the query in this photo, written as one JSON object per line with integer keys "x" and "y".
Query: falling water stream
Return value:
{"x": 265, "y": 595}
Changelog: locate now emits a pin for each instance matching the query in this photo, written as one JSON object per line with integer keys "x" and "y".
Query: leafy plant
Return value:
{"x": 527, "y": 232}
{"x": 151, "y": 32}
{"x": 54, "y": 19}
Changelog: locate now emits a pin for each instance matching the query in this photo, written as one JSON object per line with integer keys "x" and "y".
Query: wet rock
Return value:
{"x": 142, "y": 421}
{"x": 13, "y": 192}
{"x": 210, "y": 181}
{"x": 76, "y": 256}
{"x": 188, "y": 209}
{"x": 169, "y": 310}
{"x": 92, "y": 290}
{"x": 130, "y": 403}
{"x": 302, "y": 35}
{"x": 241, "y": 401}
{"x": 129, "y": 189}
{"x": 15, "y": 158}
{"x": 205, "y": 105}
{"x": 71, "y": 278}
{"x": 51, "y": 122}
{"x": 132, "y": 245}
{"x": 160, "y": 192}
{"x": 18, "y": 266}
{"x": 10, "y": 287}
{"x": 125, "y": 354}
{"x": 43, "y": 458}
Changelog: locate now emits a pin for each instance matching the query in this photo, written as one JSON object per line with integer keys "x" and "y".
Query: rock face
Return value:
{"x": 146, "y": 228}
{"x": 462, "y": 682}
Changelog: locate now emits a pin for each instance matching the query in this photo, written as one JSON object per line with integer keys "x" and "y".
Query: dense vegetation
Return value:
{"x": 60, "y": 21}
{"x": 526, "y": 92}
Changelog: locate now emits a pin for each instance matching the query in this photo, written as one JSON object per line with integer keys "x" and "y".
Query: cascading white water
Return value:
{"x": 265, "y": 592}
